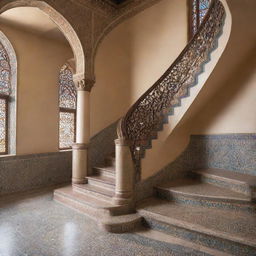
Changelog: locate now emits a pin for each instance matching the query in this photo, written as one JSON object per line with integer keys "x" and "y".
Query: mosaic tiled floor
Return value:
{"x": 34, "y": 225}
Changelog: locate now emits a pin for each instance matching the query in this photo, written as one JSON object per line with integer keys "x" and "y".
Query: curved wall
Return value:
{"x": 226, "y": 102}
{"x": 133, "y": 56}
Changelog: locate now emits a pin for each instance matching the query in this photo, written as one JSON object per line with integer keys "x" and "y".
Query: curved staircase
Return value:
{"x": 211, "y": 211}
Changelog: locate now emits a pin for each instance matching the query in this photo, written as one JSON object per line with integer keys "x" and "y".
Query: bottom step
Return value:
{"x": 172, "y": 243}
{"x": 228, "y": 231}
{"x": 104, "y": 213}
{"x": 121, "y": 224}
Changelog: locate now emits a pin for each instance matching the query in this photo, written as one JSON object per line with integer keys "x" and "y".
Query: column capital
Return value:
{"x": 82, "y": 83}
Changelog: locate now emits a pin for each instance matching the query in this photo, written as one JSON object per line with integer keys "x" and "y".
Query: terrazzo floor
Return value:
{"x": 32, "y": 224}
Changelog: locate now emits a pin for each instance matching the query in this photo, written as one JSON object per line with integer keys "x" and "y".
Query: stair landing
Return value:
{"x": 197, "y": 189}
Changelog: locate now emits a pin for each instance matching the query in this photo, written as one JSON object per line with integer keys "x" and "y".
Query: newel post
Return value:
{"x": 80, "y": 148}
{"x": 124, "y": 191}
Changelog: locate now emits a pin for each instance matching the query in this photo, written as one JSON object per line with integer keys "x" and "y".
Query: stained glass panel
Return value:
{"x": 66, "y": 129}
{"x": 67, "y": 90}
{"x": 3, "y": 120}
{"x": 5, "y": 72}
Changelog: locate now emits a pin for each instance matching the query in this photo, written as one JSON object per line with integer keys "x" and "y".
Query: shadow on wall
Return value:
{"x": 133, "y": 56}
{"x": 111, "y": 95}
{"x": 221, "y": 94}
{"x": 226, "y": 99}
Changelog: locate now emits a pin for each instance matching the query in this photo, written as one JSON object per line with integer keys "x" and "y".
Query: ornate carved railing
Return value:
{"x": 141, "y": 123}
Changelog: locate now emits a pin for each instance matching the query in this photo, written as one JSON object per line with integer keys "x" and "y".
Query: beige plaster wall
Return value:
{"x": 39, "y": 62}
{"x": 227, "y": 101}
{"x": 133, "y": 56}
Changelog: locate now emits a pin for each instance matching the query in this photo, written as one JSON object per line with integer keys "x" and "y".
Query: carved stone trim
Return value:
{"x": 84, "y": 84}
{"x": 80, "y": 146}
{"x": 66, "y": 28}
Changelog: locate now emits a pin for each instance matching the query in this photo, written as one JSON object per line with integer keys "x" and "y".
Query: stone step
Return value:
{"x": 102, "y": 181}
{"x": 228, "y": 231}
{"x": 87, "y": 204}
{"x": 95, "y": 191}
{"x": 122, "y": 224}
{"x": 111, "y": 218}
{"x": 194, "y": 192}
{"x": 239, "y": 182}
{"x": 168, "y": 242}
{"x": 108, "y": 171}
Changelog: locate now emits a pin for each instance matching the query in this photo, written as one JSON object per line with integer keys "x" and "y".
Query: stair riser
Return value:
{"x": 95, "y": 194}
{"x": 216, "y": 203}
{"x": 126, "y": 209}
{"x": 103, "y": 173}
{"x": 203, "y": 239}
{"x": 165, "y": 247}
{"x": 123, "y": 227}
{"x": 110, "y": 162}
{"x": 83, "y": 208}
{"x": 241, "y": 188}
{"x": 101, "y": 184}
{"x": 96, "y": 214}
{"x": 90, "y": 210}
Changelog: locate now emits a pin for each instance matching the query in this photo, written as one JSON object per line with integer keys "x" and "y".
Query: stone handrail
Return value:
{"x": 146, "y": 117}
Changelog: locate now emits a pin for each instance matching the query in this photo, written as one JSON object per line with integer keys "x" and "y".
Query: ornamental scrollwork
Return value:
{"x": 84, "y": 84}
{"x": 147, "y": 115}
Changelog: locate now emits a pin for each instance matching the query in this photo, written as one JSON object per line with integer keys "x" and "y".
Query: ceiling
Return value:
{"x": 33, "y": 20}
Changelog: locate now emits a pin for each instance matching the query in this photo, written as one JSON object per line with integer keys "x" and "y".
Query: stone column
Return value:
{"x": 124, "y": 173}
{"x": 80, "y": 148}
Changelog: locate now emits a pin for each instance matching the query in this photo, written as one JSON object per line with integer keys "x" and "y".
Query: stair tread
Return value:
{"x": 97, "y": 189}
{"x": 103, "y": 179}
{"x": 229, "y": 175}
{"x": 83, "y": 198}
{"x": 192, "y": 187}
{"x": 231, "y": 225}
{"x": 106, "y": 168}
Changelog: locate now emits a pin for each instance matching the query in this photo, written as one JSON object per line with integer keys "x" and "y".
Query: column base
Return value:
{"x": 79, "y": 181}
{"x": 123, "y": 198}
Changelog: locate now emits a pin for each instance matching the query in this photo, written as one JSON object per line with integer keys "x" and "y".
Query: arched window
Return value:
{"x": 67, "y": 106}
{"x": 5, "y": 92}
{"x": 198, "y": 9}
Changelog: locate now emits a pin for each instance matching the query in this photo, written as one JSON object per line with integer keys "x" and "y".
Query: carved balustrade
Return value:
{"x": 146, "y": 116}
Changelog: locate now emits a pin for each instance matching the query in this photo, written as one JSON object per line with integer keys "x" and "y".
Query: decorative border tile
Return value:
{"x": 234, "y": 152}
{"x": 26, "y": 172}
{"x": 102, "y": 144}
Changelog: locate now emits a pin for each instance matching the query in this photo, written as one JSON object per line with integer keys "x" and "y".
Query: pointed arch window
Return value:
{"x": 67, "y": 108}
{"x": 5, "y": 91}
{"x": 198, "y": 10}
